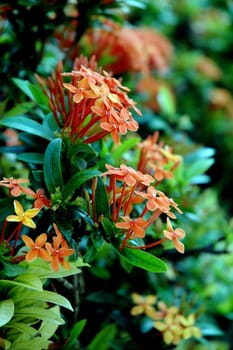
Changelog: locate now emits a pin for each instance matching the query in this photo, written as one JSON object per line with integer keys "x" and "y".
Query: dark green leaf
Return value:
{"x": 32, "y": 91}
{"x": 30, "y": 157}
{"x": 101, "y": 200}
{"x": 27, "y": 125}
{"x": 74, "y": 333}
{"x": 142, "y": 259}
{"x": 103, "y": 338}
{"x": 52, "y": 166}
{"x": 77, "y": 180}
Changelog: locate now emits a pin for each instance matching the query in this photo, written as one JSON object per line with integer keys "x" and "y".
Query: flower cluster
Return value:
{"x": 131, "y": 49}
{"x": 169, "y": 321}
{"x": 16, "y": 188}
{"x": 128, "y": 187}
{"x": 98, "y": 104}
{"x": 156, "y": 158}
{"x": 55, "y": 252}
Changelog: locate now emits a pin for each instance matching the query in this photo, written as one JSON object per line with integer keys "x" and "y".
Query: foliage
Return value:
{"x": 115, "y": 219}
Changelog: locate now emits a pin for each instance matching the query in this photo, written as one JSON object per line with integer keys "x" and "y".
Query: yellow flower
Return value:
{"x": 190, "y": 330}
{"x": 23, "y": 216}
{"x": 144, "y": 304}
{"x": 170, "y": 328}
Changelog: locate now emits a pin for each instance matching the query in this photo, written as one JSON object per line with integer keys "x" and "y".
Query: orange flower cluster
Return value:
{"x": 157, "y": 159}
{"x": 55, "y": 252}
{"x": 98, "y": 104}
{"x": 170, "y": 321}
{"x": 16, "y": 189}
{"x": 129, "y": 49}
{"x": 127, "y": 187}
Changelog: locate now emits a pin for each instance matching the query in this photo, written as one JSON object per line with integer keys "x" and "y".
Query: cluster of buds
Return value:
{"x": 170, "y": 321}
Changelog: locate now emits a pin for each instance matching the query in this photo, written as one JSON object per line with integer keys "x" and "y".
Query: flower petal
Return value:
{"x": 32, "y": 255}
{"x": 28, "y": 241}
{"x": 41, "y": 240}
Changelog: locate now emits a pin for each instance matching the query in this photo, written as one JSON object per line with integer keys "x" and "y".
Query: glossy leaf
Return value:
{"x": 39, "y": 313}
{"x": 30, "y": 157}
{"x": 32, "y": 91}
{"x": 50, "y": 297}
{"x": 6, "y": 311}
{"x": 142, "y": 260}
{"x": 27, "y": 125}
{"x": 101, "y": 200}
{"x": 25, "y": 280}
{"x": 77, "y": 180}
{"x": 52, "y": 166}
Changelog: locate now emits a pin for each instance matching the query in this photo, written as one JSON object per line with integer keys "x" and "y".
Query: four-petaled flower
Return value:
{"x": 23, "y": 216}
{"x": 175, "y": 235}
{"x": 37, "y": 249}
{"x": 144, "y": 304}
{"x": 135, "y": 227}
{"x": 58, "y": 250}
{"x": 40, "y": 199}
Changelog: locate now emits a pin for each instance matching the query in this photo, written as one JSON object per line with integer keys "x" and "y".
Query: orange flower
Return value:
{"x": 175, "y": 235}
{"x": 155, "y": 199}
{"x": 129, "y": 175}
{"x": 36, "y": 248}
{"x": 14, "y": 185}
{"x": 59, "y": 250}
{"x": 135, "y": 227}
{"x": 23, "y": 216}
{"x": 40, "y": 199}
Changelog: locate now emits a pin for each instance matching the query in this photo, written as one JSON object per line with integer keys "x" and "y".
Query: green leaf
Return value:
{"x": 43, "y": 270}
{"x": 108, "y": 227}
{"x": 27, "y": 125}
{"x": 6, "y": 311}
{"x": 74, "y": 333}
{"x": 103, "y": 338}
{"x": 25, "y": 280}
{"x": 198, "y": 167}
{"x": 32, "y": 91}
{"x": 142, "y": 259}
{"x": 52, "y": 166}
{"x": 101, "y": 200}
{"x": 20, "y": 108}
{"x": 121, "y": 149}
{"x": 81, "y": 150}
{"x": 51, "y": 314}
{"x": 166, "y": 101}
{"x": 31, "y": 157}
{"x": 77, "y": 180}
{"x": 44, "y": 295}
{"x": 47, "y": 329}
